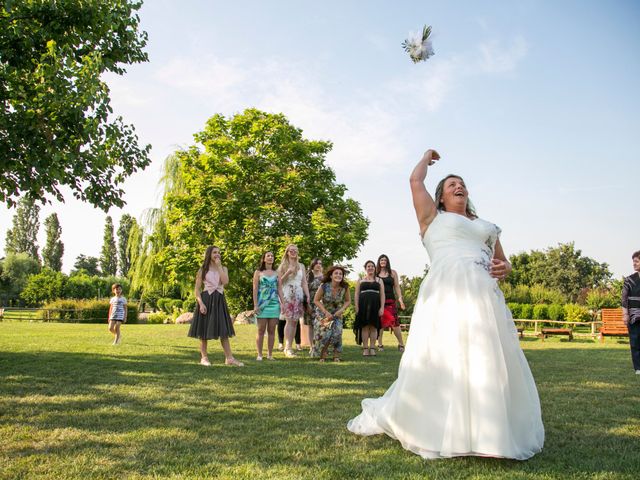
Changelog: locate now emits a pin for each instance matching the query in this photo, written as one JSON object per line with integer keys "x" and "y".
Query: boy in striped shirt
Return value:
{"x": 117, "y": 312}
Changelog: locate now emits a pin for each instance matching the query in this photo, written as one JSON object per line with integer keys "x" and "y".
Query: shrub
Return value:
{"x": 45, "y": 286}
{"x": 189, "y": 305}
{"x": 175, "y": 305}
{"x": 600, "y": 298}
{"x": 158, "y": 317}
{"x": 555, "y": 312}
{"x": 92, "y": 311}
{"x": 150, "y": 298}
{"x": 58, "y": 311}
{"x": 348, "y": 318}
{"x": 541, "y": 294}
{"x": 79, "y": 286}
{"x": 540, "y": 312}
{"x": 517, "y": 294}
{"x": 132, "y": 312}
{"x": 515, "y": 309}
{"x": 162, "y": 304}
{"x": 526, "y": 311}
{"x": 83, "y": 311}
{"x": 576, "y": 313}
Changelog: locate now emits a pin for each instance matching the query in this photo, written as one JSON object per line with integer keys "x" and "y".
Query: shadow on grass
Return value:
{"x": 165, "y": 415}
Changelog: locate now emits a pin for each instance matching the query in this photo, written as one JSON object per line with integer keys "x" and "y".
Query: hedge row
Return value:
{"x": 82, "y": 311}
{"x": 570, "y": 312}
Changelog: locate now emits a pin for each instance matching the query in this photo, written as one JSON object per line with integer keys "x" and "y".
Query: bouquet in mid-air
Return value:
{"x": 419, "y": 47}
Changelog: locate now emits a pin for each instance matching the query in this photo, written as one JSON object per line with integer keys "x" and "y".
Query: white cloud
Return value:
{"x": 498, "y": 58}
{"x": 438, "y": 82}
{"x": 363, "y": 127}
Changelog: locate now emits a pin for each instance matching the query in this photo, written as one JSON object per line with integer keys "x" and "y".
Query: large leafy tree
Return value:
{"x": 56, "y": 124}
{"x": 22, "y": 236}
{"x": 562, "y": 268}
{"x": 43, "y": 287}
{"x": 16, "y": 269}
{"x": 127, "y": 222}
{"x": 54, "y": 248}
{"x": 256, "y": 185}
{"x": 86, "y": 265}
{"x": 108, "y": 254}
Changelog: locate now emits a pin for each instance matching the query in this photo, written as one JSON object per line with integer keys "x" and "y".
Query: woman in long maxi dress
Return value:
{"x": 464, "y": 386}
{"x": 331, "y": 301}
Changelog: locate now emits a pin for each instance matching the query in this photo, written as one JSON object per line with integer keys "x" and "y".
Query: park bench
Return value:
{"x": 612, "y": 324}
{"x": 546, "y": 331}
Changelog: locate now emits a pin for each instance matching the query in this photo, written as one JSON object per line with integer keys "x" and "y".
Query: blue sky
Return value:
{"x": 534, "y": 103}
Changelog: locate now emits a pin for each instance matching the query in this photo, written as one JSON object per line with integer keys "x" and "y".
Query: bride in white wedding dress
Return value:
{"x": 464, "y": 386}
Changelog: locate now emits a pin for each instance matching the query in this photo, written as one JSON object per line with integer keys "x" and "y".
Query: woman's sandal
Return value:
{"x": 401, "y": 348}
{"x": 381, "y": 348}
{"x": 372, "y": 352}
{"x": 321, "y": 360}
{"x": 365, "y": 352}
{"x": 337, "y": 359}
{"x": 234, "y": 363}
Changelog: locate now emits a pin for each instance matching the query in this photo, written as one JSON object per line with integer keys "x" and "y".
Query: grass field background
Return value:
{"x": 74, "y": 406}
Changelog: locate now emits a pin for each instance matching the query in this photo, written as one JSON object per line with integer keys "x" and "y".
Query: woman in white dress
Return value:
{"x": 464, "y": 386}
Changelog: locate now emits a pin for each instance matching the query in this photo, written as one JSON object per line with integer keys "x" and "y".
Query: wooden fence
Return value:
{"x": 30, "y": 314}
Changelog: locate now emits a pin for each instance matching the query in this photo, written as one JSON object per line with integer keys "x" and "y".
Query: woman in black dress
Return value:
{"x": 369, "y": 304}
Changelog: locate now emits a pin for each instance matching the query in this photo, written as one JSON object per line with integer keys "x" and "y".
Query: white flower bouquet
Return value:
{"x": 419, "y": 47}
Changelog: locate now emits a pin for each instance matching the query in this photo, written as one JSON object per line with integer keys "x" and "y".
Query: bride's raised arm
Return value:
{"x": 422, "y": 201}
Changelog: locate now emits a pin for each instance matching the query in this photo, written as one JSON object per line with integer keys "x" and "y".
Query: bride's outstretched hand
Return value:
{"x": 431, "y": 156}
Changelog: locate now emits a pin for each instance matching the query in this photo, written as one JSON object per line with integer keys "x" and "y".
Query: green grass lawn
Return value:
{"x": 74, "y": 406}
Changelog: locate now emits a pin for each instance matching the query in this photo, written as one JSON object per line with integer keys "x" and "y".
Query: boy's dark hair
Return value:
{"x": 114, "y": 286}
{"x": 635, "y": 255}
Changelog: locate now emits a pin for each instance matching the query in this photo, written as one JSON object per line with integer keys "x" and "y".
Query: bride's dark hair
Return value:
{"x": 470, "y": 210}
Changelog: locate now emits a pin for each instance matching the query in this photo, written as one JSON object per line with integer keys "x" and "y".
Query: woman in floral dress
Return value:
{"x": 293, "y": 284}
{"x": 331, "y": 301}
{"x": 314, "y": 280}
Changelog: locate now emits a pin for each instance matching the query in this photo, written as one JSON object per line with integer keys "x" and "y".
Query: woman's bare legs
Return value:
{"x": 289, "y": 333}
{"x": 271, "y": 335}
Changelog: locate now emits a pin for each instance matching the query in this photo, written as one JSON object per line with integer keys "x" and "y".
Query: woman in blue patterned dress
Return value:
{"x": 266, "y": 303}
{"x": 331, "y": 301}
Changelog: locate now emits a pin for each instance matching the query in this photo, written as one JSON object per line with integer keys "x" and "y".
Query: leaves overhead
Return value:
{"x": 56, "y": 125}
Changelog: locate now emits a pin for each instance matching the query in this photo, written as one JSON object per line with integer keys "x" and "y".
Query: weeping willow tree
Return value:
{"x": 148, "y": 240}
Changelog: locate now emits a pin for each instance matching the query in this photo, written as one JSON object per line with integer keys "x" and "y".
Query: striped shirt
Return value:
{"x": 631, "y": 297}
{"x": 117, "y": 308}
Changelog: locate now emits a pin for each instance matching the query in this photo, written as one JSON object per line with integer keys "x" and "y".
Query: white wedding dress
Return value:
{"x": 464, "y": 386}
